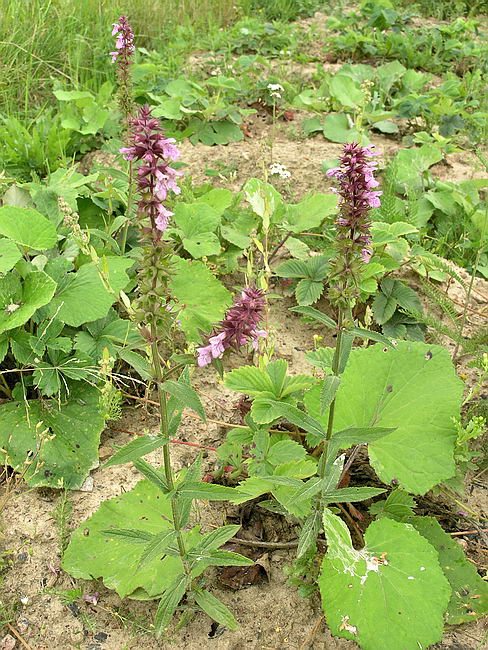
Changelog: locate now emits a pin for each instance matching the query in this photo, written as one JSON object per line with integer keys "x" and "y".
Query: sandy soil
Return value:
{"x": 272, "y": 615}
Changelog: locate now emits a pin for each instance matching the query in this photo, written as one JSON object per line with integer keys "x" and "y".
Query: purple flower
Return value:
{"x": 239, "y": 327}
{"x": 155, "y": 178}
{"x": 356, "y": 181}
{"x": 125, "y": 42}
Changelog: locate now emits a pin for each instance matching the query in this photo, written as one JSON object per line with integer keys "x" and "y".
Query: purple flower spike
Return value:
{"x": 125, "y": 42}
{"x": 155, "y": 178}
{"x": 239, "y": 327}
{"x": 357, "y": 196}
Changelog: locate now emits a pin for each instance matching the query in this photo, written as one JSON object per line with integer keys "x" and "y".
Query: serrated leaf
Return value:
{"x": 157, "y": 546}
{"x": 292, "y": 269}
{"x": 285, "y": 451}
{"x": 370, "y": 335}
{"x": 351, "y": 494}
{"x": 308, "y": 533}
{"x": 135, "y": 449}
{"x": 398, "y": 506}
{"x": 383, "y": 307}
{"x": 186, "y": 395}
{"x": 315, "y": 314}
{"x": 397, "y": 563}
{"x": 66, "y": 459}
{"x": 308, "y": 291}
{"x": 249, "y": 380}
{"x": 207, "y": 491}
{"x": 330, "y": 386}
{"x": 152, "y": 474}
{"x": 297, "y": 417}
{"x": 469, "y": 598}
{"x": 27, "y": 228}
{"x": 131, "y": 535}
{"x": 310, "y": 212}
{"x": 215, "y": 609}
{"x": 168, "y": 604}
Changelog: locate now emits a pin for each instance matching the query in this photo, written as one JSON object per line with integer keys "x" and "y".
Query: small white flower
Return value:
{"x": 277, "y": 169}
{"x": 275, "y": 90}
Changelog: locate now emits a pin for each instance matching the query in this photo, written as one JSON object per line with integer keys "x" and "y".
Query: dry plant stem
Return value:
{"x": 168, "y": 470}
{"x": 19, "y": 637}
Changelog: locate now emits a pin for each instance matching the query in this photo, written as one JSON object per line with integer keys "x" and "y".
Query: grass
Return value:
{"x": 44, "y": 40}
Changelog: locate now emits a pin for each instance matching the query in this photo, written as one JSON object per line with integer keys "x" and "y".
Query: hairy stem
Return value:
{"x": 163, "y": 411}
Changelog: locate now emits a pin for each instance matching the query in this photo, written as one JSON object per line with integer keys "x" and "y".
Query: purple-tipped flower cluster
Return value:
{"x": 239, "y": 327}
{"x": 155, "y": 178}
{"x": 356, "y": 189}
{"x": 124, "y": 46}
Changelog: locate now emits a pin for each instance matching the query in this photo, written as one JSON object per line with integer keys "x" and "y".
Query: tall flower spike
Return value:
{"x": 122, "y": 56}
{"x": 355, "y": 186}
{"x": 155, "y": 178}
{"x": 239, "y": 327}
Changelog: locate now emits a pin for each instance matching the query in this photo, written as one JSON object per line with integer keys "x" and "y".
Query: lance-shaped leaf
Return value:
{"x": 317, "y": 315}
{"x": 351, "y": 494}
{"x": 390, "y": 594}
{"x": 328, "y": 392}
{"x": 297, "y": 417}
{"x": 215, "y": 609}
{"x": 168, "y": 604}
{"x": 186, "y": 395}
{"x": 136, "y": 449}
{"x": 308, "y": 534}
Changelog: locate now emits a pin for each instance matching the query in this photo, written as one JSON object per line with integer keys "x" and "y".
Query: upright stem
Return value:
{"x": 335, "y": 367}
{"x": 163, "y": 412}
{"x": 128, "y": 209}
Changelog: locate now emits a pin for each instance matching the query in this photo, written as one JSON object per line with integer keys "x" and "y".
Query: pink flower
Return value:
{"x": 239, "y": 327}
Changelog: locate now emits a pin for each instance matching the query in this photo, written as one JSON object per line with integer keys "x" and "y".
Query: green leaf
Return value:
{"x": 249, "y": 380}
{"x": 346, "y": 90}
{"x": 383, "y": 307}
{"x": 135, "y": 449}
{"x": 308, "y": 291}
{"x": 315, "y": 314}
{"x": 9, "y": 255}
{"x": 386, "y": 126}
{"x": 157, "y": 546}
{"x": 396, "y": 563}
{"x": 310, "y": 212}
{"x": 216, "y": 538}
{"x": 398, "y": 506}
{"x": 198, "y": 222}
{"x": 330, "y": 386}
{"x": 91, "y": 555}
{"x": 308, "y": 533}
{"x": 292, "y": 269}
{"x": 369, "y": 334}
{"x": 469, "y": 598}
{"x": 191, "y": 281}
{"x": 297, "y": 417}
{"x": 75, "y": 427}
{"x": 351, "y": 494}
{"x": 27, "y": 228}
{"x": 152, "y": 474}
{"x": 19, "y": 300}
{"x": 207, "y": 491}
{"x": 186, "y": 395}
{"x": 285, "y": 451}
{"x": 83, "y": 298}
{"x": 168, "y": 604}
{"x": 131, "y": 535}
{"x": 415, "y": 389}
{"x": 215, "y": 609}
{"x": 262, "y": 197}
{"x": 336, "y": 128}
{"x": 217, "y": 558}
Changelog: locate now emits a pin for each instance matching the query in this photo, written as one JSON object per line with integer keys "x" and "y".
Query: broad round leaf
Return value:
{"x": 92, "y": 554}
{"x": 412, "y": 387}
{"x": 390, "y": 594}
{"x": 66, "y": 459}
{"x": 19, "y": 300}
{"x": 27, "y": 227}
{"x": 9, "y": 255}
{"x": 84, "y": 298}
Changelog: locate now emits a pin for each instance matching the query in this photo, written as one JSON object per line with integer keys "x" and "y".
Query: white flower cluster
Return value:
{"x": 275, "y": 90}
{"x": 279, "y": 170}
